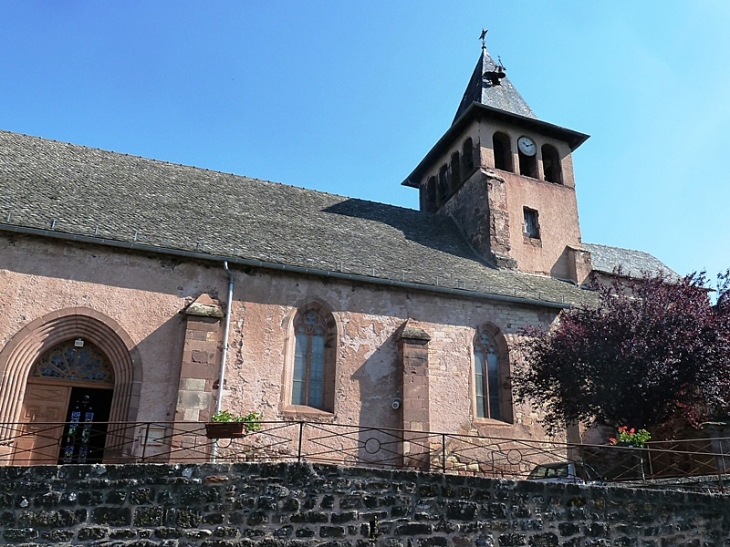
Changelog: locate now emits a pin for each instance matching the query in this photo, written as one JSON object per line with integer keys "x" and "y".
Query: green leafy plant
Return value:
{"x": 251, "y": 421}
{"x": 630, "y": 436}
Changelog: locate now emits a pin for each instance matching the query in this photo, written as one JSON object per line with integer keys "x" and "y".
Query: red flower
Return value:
{"x": 612, "y": 440}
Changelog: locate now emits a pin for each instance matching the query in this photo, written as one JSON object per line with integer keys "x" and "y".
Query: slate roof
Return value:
{"x": 110, "y": 197}
{"x": 481, "y": 90}
{"x": 607, "y": 259}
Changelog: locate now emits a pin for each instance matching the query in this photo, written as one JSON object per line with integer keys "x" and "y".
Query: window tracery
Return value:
{"x": 309, "y": 360}
{"x": 486, "y": 373}
{"x": 72, "y": 363}
{"x": 492, "y": 391}
{"x": 313, "y": 367}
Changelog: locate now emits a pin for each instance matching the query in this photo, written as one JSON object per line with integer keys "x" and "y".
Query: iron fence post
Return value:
{"x": 443, "y": 452}
{"x": 650, "y": 460}
{"x": 641, "y": 463}
{"x": 299, "y": 448}
{"x": 724, "y": 470}
{"x": 146, "y": 438}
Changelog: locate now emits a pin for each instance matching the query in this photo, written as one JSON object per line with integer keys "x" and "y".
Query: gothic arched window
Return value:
{"x": 313, "y": 372}
{"x": 491, "y": 384}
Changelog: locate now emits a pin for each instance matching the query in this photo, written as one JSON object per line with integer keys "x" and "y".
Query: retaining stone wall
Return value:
{"x": 280, "y": 505}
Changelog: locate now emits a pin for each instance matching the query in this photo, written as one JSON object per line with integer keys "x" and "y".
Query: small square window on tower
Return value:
{"x": 532, "y": 228}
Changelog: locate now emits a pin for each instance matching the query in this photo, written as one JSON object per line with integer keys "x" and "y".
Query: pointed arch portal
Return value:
{"x": 43, "y": 362}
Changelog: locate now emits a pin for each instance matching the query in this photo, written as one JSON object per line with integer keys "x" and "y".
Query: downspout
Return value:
{"x": 224, "y": 353}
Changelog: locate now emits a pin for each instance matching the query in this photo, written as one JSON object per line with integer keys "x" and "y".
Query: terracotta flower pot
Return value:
{"x": 225, "y": 430}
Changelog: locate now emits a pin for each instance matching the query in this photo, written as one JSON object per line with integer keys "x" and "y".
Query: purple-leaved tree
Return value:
{"x": 652, "y": 351}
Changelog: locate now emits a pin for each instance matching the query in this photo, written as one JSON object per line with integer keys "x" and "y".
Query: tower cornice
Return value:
{"x": 476, "y": 111}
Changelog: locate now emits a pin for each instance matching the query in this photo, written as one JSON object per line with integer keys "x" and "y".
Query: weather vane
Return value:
{"x": 483, "y": 36}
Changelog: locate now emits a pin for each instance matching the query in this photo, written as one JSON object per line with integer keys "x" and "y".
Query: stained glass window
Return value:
{"x": 310, "y": 331}
{"x": 486, "y": 376}
{"x": 74, "y": 364}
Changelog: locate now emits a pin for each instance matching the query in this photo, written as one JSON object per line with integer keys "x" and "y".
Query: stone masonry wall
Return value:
{"x": 279, "y": 505}
{"x": 148, "y": 299}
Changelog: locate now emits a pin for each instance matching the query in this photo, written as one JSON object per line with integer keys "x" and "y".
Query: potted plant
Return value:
{"x": 630, "y": 437}
{"x": 225, "y": 425}
{"x": 631, "y": 464}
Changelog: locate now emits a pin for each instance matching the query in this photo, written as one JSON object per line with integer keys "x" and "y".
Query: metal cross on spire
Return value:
{"x": 483, "y": 37}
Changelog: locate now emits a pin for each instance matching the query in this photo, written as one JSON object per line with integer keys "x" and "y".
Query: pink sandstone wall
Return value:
{"x": 143, "y": 295}
{"x": 146, "y": 296}
{"x": 489, "y": 205}
{"x": 558, "y": 222}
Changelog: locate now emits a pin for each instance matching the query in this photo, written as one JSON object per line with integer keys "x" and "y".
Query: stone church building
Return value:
{"x": 159, "y": 292}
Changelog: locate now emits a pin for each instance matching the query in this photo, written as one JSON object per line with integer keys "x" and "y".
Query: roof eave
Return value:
{"x": 241, "y": 261}
{"x": 476, "y": 111}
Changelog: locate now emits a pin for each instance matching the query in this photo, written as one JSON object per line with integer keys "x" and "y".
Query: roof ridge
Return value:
{"x": 606, "y": 258}
{"x": 617, "y": 247}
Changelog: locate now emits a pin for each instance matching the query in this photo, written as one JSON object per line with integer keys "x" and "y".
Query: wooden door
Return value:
{"x": 39, "y": 442}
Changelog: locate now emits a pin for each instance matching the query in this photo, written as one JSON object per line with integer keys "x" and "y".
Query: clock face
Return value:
{"x": 526, "y": 146}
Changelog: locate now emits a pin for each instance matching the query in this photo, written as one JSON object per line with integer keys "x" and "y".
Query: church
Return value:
{"x": 157, "y": 292}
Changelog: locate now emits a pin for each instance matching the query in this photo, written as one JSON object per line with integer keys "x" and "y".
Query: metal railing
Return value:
{"x": 703, "y": 462}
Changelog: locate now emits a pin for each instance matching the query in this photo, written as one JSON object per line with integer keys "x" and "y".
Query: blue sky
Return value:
{"x": 346, "y": 97}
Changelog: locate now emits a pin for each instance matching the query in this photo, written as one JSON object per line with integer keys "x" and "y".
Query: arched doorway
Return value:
{"x": 73, "y": 382}
{"x": 18, "y": 361}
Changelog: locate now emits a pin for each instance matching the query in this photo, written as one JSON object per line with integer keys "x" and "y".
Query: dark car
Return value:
{"x": 573, "y": 472}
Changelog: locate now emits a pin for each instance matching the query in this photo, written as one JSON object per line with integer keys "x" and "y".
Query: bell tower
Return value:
{"x": 506, "y": 179}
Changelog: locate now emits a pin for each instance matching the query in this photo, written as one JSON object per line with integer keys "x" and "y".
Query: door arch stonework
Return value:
{"x": 42, "y": 334}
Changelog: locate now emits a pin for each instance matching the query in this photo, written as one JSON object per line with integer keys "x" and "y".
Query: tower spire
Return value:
{"x": 490, "y": 86}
